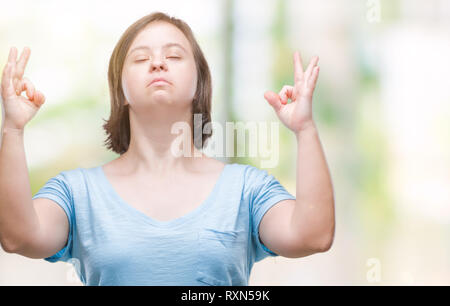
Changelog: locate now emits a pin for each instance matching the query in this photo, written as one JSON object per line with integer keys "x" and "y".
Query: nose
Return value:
{"x": 158, "y": 64}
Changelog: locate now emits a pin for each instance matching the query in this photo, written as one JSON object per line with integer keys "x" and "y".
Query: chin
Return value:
{"x": 157, "y": 98}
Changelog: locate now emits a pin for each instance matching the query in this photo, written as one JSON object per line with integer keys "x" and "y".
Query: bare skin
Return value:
{"x": 168, "y": 199}
{"x": 149, "y": 176}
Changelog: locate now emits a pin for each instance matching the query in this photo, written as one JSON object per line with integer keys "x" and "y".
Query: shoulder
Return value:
{"x": 251, "y": 175}
{"x": 75, "y": 177}
{"x": 248, "y": 171}
{"x": 66, "y": 176}
{"x": 78, "y": 173}
{"x": 214, "y": 164}
{"x": 254, "y": 174}
{"x": 207, "y": 165}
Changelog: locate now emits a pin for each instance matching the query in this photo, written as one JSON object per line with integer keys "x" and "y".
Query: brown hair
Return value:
{"x": 118, "y": 126}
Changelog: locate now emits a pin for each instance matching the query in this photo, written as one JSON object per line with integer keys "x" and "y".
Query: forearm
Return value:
{"x": 313, "y": 218}
{"x": 17, "y": 215}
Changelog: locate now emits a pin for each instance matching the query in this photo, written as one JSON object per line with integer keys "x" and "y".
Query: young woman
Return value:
{"x": 152, "y": 217}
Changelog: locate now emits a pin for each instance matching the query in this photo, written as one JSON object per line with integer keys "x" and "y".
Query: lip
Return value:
{"x": 158, "y": 81}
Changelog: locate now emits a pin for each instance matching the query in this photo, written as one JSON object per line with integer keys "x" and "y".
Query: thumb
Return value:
{"x": 273, "y": 99}
{"x": 38, "y": 98}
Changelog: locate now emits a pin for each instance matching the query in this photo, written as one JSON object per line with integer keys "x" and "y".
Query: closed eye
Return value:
{"x": 143, "y": 60}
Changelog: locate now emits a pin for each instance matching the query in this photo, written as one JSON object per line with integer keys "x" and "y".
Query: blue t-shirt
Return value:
{"x": 112, "y": 243}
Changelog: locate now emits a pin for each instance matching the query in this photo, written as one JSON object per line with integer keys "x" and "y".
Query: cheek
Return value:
{"x": 127, "y": 87}
{"x": 191, "y": 80}
{"x": 127, "y": 76}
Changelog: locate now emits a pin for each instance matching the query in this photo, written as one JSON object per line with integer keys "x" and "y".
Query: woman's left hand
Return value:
{"x": 296, "y": 115}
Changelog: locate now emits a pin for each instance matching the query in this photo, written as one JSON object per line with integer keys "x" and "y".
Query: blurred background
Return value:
{"x": 382, "y": 108}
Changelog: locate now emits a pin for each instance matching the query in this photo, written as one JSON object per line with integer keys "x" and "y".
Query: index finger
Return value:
{"x": 298, "y": 67}
{"x": 12, "y": 55}
{"x": 7, "y": 88}
{"x": 22, "y": 62}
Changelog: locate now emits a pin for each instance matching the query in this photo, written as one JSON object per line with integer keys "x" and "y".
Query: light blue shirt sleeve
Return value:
{"x": 58, "y": 189}
{"x": 264, "y": 191}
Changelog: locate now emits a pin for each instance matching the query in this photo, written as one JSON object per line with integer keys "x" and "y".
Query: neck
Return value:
{"x": 160, "y": 144}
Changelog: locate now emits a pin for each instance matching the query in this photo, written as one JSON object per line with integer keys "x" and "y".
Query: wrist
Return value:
{"x": 9, "y": 129}
{"x": 307, "y": 129}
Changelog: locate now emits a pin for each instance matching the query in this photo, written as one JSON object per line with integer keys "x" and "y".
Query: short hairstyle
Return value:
{"x": 117, "y": 127}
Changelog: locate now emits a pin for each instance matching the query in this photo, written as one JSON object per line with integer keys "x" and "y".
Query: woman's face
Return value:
{"x": 160, "y": 50}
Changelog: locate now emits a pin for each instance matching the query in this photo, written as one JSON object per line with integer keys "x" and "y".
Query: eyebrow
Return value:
{"x": 168, "y": 45}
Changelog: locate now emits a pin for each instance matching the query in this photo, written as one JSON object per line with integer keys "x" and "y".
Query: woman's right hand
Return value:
{"x": 17, "y": 109}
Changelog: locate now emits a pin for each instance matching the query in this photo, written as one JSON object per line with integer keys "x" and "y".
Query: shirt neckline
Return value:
{"x": 173, "y": 222}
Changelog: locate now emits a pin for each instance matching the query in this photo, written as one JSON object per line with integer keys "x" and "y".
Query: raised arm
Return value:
{"x": 307, "y": 225}
{"x": 24, "y": 223}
